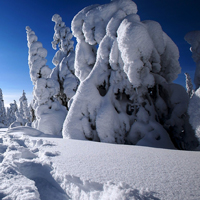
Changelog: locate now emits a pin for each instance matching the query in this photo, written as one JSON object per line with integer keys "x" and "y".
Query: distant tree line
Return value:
{"x": 13, "y": 116}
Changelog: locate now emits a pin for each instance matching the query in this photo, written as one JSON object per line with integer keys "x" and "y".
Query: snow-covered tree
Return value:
{"x": 193, "y": 38}
{"x": 194, "y": 112}
{"x": 3, "y": 120}
{"x": 19, "y": 120}
{"x": 32, "y": 112}
{"x": 126, "y": 68}
{"x": 64, "y": 61}
{"x": 48, "y": 111}
{"x": 24, "y": 109}
{"x": 22, "y": 98}
{"x": 189, "y": 85}
{"x": 11, "y": 112}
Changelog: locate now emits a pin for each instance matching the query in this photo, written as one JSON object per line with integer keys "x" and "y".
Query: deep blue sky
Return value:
{"x": 177, "y": 17}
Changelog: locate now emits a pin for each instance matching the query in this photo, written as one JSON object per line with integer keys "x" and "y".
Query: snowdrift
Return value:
{"x": 36, "y": 167}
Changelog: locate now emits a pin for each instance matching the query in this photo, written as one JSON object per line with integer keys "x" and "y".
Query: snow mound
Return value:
{"x": 27, "y": 173}
{"x": 36, "y": 168}
{"x": 24, "y": 130}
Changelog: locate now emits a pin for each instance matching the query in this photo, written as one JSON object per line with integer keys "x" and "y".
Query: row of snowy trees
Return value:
{"x": 12, "y": 116}
{"x": 117, "y": 86}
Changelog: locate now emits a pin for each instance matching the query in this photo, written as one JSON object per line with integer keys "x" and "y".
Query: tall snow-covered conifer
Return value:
{"x": 22, "y": 98}
{"x": 48, "y": 111}
{"x": 193, "y": 38}
{"x": 126, "y": 94}
{"x": 3, "y": 119}
{"x": 11, "y": 112}
{"x": 189, "y": 85}
{"x": 24, "y": 109}
{"x": 64, "y": 61}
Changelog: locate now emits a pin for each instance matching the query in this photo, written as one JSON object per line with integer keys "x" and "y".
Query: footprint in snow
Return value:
{"x": 20, "y": 142}
{"x": 51, "y": 154}
{"x": 3, "y": 148}
{"x": 45, "y": 183}
{"x": 1, "y": 158}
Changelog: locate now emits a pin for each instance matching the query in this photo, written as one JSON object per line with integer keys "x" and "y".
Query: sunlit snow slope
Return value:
{"x": 33, "y": 166}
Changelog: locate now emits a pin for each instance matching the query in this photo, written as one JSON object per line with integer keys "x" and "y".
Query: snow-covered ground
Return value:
{"x": 33, "y": 166}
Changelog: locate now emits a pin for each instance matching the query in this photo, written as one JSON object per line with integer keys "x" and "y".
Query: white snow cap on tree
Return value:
{"x": 193, "y": 38}
{"x": 147, "y": 50}
{"x": 62, "y": 37}
{"x": 89, "y": 28}
{"x": 126, "y": 82}
{"x": 36, "y": 59}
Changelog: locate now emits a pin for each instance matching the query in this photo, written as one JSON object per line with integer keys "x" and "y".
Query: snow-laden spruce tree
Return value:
{"x": 189, "y": 85}
{"x": 3, "y": 119}
{"x": 64, "y": 61}
{"x": 126, "y": 68}
{"x": 24, "y": 109}
{"x": 48, "y": 111}
{"x": 19, "y": 120}
{"x": 22, "y": 98}
{"x": 193, "y": 38}
{"x": 11, "y": 112}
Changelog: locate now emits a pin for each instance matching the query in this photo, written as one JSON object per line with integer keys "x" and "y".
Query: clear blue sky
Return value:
{"x": 177, "y": 17}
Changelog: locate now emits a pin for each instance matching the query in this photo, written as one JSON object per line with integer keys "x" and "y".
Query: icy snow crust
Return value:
{"x": 52, "y": 168}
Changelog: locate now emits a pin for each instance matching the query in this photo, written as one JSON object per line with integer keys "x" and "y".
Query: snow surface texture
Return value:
{"x": 53, "y": 168}
{"x": 126, "y": 67}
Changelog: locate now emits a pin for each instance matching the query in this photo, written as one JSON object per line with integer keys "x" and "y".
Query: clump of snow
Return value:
{"x": 26, "y": 131}
{"x": 89, "y": 27}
